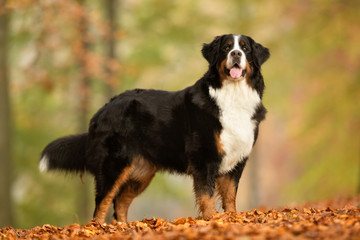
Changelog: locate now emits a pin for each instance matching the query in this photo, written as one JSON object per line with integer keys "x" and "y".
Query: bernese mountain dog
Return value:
{"x": 206, "y": 131}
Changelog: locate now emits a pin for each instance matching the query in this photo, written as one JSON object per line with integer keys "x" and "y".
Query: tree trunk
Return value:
{"x": 110, "y": 9}
{"x": 84, "y": 211}
{"x": 254, "y": 180}
{"x": 6, "y": 216}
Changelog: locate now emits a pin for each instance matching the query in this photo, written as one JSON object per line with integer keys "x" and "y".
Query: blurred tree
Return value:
{"x": 325, "y": 121}
{"x": 56, "y": 53}
{"x": 6, "y": 216}
{"x": 83, "y": 93}
{"x": 111, "y": 10}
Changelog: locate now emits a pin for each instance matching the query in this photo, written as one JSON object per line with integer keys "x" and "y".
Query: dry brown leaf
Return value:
{"x": 322, "y": 220}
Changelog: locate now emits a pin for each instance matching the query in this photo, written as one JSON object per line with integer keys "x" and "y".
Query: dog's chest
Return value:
{"x": 237, "y": 103}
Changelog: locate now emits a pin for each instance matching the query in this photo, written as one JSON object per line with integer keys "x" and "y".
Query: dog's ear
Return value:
{"x": 260, "y": 53}
{"x": 210, "y": 51}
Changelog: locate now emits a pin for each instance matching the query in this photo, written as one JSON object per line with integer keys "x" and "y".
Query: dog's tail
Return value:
{"x": 66, "y": 153}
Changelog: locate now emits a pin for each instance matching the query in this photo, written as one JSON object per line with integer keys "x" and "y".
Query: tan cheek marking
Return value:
{"x": 248, "y": 72}
{"x": 206, "y": 205}
{"x": 227, "y": 191}
{"x": 106, "y": 202}
{"x": 222, "y": 71}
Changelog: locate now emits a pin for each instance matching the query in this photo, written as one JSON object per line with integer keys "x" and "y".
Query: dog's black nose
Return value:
{"x": 236, "y": 53}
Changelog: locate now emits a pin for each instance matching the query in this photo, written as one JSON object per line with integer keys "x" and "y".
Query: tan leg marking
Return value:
{"x": 226, "y": 188}
{"x": 206, "y": 205}
{"x": 143, "y": 172}
{"x": 219, "y": 145}
{"x": 124, "y": 200}
{"x": 106, "y": 202}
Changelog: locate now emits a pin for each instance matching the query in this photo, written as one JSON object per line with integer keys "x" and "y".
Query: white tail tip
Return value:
{"x": 44, "y": 164}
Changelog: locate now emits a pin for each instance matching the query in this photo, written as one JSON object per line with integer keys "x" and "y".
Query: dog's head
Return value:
{"x": 235, "y": 56}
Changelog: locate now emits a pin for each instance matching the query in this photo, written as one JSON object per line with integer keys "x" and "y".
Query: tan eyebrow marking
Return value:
{"x": 230, "y": 43}
{"x": 242, "y": 43}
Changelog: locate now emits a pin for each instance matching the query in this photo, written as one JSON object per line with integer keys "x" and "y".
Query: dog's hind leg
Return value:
{"x": 126, "y": 195}
{"x": 105, "y": 196}
{"x": 139, "y": 179}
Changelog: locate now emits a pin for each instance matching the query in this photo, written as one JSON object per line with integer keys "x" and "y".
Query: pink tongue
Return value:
{"x": 235, "y": 72}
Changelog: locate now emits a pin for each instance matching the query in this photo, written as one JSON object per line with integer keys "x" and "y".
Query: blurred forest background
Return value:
{"x": 61, "y": 60}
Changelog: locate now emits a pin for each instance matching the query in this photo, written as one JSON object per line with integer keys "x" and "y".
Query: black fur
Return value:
{"x": 173, "y": 131}
{"x": 68, "y": 153}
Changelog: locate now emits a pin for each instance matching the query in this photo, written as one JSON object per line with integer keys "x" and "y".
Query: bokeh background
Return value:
{"x": 61, "y": 60}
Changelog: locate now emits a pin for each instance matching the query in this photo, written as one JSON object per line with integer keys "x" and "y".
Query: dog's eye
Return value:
{"x": 227, "y": 48}
{"x": 244, "y": 48}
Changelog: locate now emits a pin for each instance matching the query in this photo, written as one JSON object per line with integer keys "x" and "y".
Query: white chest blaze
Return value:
{"x": 237, "y": 103}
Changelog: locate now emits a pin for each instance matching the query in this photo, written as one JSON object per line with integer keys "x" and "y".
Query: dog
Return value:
{"x": 206, "y": 131}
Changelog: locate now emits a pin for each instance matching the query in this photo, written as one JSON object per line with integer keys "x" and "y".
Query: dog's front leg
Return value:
{"x": 227, "y": 186}
{"x": 204, "y": 187}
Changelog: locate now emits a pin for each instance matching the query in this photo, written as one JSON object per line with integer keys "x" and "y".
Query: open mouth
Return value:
{"x": 236, "y": 71}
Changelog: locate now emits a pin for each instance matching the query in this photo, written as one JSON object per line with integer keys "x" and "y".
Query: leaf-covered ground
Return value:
{"x": 335, "y": 219}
